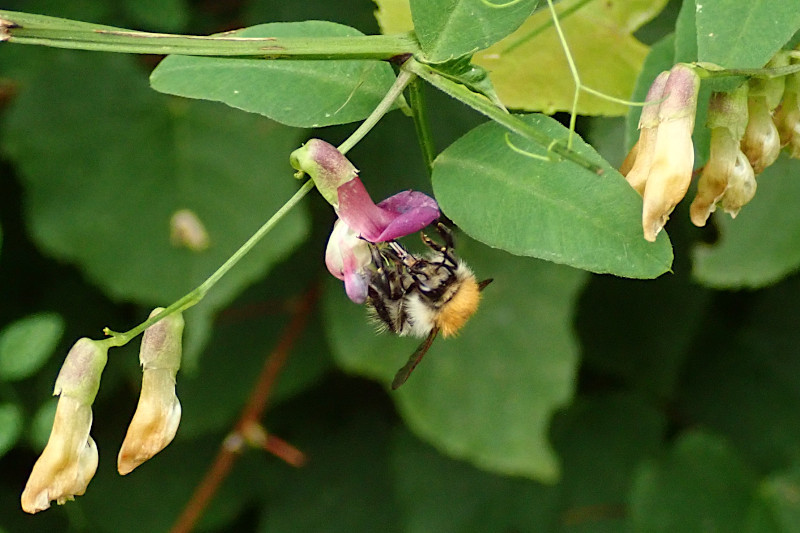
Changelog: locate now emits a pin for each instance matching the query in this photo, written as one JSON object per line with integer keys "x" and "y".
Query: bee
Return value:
{"x": 421, "y": 296}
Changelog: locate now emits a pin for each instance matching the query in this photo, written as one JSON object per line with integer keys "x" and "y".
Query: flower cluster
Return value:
{"x": 69, "y": 460}
{"x": 749, "y": 126}
{"x": 361, "y": 221}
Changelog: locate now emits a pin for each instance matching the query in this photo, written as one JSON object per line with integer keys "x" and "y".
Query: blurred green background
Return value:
{"x": 574, "y": 402}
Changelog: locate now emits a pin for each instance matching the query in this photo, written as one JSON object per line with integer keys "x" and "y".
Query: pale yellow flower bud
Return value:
{"x": 67, "y": 463}
{"x": 673, "y": 155}
{"x": 741, "y": 189}
{"x": 158, "y": 413}
{"x": 69, "y": 460}
{"x": 761, "y": 143}
{"x": 637, "y": 169}
{"x": 727, "y": 118}
{"x": 187, "y": 230}
{"x": 724, "y": 155}
{"x": 787, "y": 116}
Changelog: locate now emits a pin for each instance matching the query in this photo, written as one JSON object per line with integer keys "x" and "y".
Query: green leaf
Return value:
{"x": 25, "y": 345}
{"x": 528, "y": 68}
{"x": 554, "y": 210}
{"x": 301, "y": 93}
{"x": 601, "y": 440}
{"x": 104, "y": 198}
{"x": 42, "y": 423}
{"x": 487, "y": 395}
{"x": 442, "y": 495}
{"x": 776, "y": 507}
{"x": 743, "y": 377}
{"x": 702, "y": 485}
{"x": 530, "y": 71}
{"x": 11, "y": 421}
{"x": 686, "y": 34}
{"x": 346, "y": 485}
{"x": 760, "y": 246}
{"x": 447, "y": 29}
{"x": 731, "y": 33}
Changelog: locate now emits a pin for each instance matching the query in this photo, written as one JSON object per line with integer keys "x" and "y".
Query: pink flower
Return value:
{"x": 348, "y": 256}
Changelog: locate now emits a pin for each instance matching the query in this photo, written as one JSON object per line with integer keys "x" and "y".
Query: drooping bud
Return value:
{"x": 326, "y": 165}
{"x": 158, "y": 413}
{"x": 188, "y": 231}
{"x": 69, "y": 459}
{"x": 727, "y": 119}
{"x": 787, "y": 117}
{"x": 741, "y": 188}
{"x": 761, "y": 143}
{"x": 673, "y": 155}
{"x": 644, "y": 149}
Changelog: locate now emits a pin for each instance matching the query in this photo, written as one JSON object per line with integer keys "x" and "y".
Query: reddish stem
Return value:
{"x": 248, "y": 427}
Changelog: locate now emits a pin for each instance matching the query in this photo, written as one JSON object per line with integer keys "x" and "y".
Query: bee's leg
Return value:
{"x": 380, "y": 280}
{"x": 445, "y": 250}
{"x": 377, "y": 302}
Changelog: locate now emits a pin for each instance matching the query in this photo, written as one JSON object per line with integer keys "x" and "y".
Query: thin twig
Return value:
{"x": 234, "y": 443}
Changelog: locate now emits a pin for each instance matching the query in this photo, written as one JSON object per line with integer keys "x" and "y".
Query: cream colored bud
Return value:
{"x": 186, "y": 230}
{"x": 67, "y": 463}
{"x": 69, "y": 460}
{"x": 638, "y": 162}
{"x": 673, "y": 155}
{"x": 741, "y": 189}
{"x": 787, "y": 116}
{"x": 158, "y": 413}
{"x": 155, "y": 422}
{"x": 761, "y": 142}
{"x": 724, "y": 156}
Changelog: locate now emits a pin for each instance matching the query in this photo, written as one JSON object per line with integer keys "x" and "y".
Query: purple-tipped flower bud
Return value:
{"x": 727, "y": 119}
{"x": 159, "y": 412}
{"x": 673, "y": 155}
{"x": 645, "y": 146}
{"x": 326, "y": 165}
{"x": 69, "y": 460}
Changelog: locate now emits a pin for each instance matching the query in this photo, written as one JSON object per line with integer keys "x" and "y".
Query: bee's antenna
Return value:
{"x": 404, "y": 373}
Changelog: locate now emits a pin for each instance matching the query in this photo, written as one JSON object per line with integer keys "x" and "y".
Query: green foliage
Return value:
{"x": 448, "y": 29}
{"x": 545, "y": 208}
{"x": 762, "y": 245}
{"x": 26, "y": 344}
{"x": 571, "y": 402}
{"x": 297, "y": 93}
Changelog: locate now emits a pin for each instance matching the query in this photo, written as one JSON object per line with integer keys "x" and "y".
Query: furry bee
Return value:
{"x": 421, "y": 296}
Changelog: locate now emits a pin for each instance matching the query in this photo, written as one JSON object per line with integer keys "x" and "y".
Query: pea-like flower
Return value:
{"x": 361, "y": 221}
{"x": 69, "y": 460}
{"x": 670, "y": 171}
{"x": 158, "y": 413}
{"x": 727, "y": 164}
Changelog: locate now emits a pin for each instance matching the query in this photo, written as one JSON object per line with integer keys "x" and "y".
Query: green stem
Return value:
{"x": 419, "y": 112}
{"x": 194, "y": 297}
{"x": 198, "y": 293}
{"x": 403, "y": 79}
{"x": 483, "y": 105}
{"x": 776, "y": 72}
{"x": 24, "y": 28}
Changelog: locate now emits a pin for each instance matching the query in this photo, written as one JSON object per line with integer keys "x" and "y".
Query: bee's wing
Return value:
{"x": 403, "y": 374}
